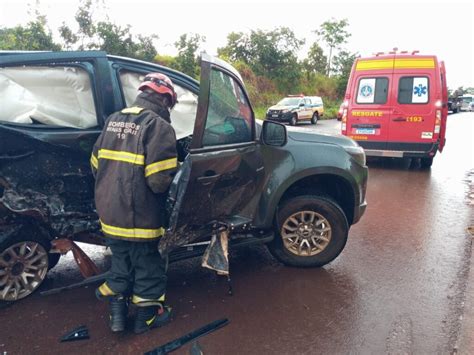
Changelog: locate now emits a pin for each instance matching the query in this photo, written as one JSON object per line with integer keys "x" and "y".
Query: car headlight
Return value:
{"x": 284, "y": 111}
{"x": 357, "y": 154}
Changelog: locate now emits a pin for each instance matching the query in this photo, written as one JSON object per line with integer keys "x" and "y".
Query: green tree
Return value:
{"x": 342, "y": 67}
{"x": 187, "y": 59}
{"x": 316, "y": 61}
{"x": 334, "y": 34}
{"x": 33, "y": 37}
{"x": 272, "y": 54}
{"x": 237, "y": 48}
{"x": 105, "y": 35}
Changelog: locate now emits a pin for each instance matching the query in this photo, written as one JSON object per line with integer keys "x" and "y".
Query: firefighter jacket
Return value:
{"x": 133, "y": 162}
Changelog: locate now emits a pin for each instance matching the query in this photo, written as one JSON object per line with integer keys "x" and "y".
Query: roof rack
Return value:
{"x": 395, "y": 50}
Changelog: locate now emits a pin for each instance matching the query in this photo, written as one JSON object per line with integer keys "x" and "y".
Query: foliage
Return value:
{"x": 320, "y": 85}
{"x": 316, "y": 60}
{"x": 334, "y": 34}
{"x": 269, "y": 66}
{"x": 166, "y": 60}
{"x": 460, "y": 91}
{"x": 35, "y": 36}
{"x": 331, "y": 108}
{"x": 272, "y": 54}
{"x": 342, "y": 67}
{"x": 261, "y": 90}
{"x": 187, "y": 59}
{"x": 105, "y": 35}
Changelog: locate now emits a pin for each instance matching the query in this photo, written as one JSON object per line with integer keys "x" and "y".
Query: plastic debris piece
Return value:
{"x": 79, "y": 333}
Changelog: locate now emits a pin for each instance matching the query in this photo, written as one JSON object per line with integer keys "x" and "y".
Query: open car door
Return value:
{"x": 220, "y": 180}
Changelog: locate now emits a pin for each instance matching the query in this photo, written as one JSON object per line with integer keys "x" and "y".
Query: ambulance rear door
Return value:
{"x": 413, "y": 117}
{"x": 370, "y": 107}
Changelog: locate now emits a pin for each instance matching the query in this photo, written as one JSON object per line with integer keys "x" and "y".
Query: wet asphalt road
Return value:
{"x": 398, "y": 287}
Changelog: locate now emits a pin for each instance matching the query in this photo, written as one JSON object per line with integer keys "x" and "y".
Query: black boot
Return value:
{"x": 150, "y": 317}
{"x": 118, "y": 313}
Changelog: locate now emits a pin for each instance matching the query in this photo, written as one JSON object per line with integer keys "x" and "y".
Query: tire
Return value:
{"x": 53, "y": 259}
{"x": 309, "y": 217}
{"x": 315, "y": 118}
{"x": 426, "y": 163}
{"x": 294, "y": 119}
{"x": 24, "y": 264}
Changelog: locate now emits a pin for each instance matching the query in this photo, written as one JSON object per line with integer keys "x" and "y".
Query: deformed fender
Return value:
{"x": 7, "y": 231}
{"x": 45, "y": 183}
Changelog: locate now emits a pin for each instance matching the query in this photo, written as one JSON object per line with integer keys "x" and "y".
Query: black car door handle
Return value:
{"x": 208, "y": 178}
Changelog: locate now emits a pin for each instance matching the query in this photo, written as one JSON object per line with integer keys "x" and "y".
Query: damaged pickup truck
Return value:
{"x": 297, "y": 192}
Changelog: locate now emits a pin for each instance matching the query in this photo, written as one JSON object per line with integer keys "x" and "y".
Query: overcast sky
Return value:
{"x": 442, "y": 28}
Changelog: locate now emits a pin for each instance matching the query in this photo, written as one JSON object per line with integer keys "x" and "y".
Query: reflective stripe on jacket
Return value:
{"x": 133, "y": 161}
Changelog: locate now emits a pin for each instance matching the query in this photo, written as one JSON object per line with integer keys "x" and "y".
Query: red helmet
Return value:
{"x": 160, "y": 84}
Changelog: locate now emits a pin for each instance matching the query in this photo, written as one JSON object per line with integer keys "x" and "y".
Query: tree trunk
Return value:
{"x": 329, "y": 61}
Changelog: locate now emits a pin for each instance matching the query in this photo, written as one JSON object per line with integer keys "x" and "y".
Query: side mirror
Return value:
{"x": 301, "y": 104}
{"x": 274, "y": 134}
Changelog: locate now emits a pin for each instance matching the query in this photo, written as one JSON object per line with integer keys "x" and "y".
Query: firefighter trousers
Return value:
{"x": 137, "y": 270}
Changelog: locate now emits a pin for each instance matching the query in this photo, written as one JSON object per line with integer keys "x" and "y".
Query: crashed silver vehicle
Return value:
{"x": 297, "y": 192}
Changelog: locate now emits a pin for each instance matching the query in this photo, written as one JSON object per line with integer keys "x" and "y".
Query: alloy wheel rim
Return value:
{"x": 306, "y": 233}
{"x": 23, "y": 267}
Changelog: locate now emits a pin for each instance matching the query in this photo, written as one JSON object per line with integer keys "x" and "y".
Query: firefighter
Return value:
{"x": 133, "y": 162}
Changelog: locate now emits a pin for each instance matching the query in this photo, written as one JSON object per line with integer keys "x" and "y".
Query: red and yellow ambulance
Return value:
{"x": 396, "y": 105}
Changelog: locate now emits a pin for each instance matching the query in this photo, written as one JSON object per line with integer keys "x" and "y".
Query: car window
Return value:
{"x": 56, "y": 96}
{"x": 183, "y": 114}
{"x": 229, "y": 117}
{"x": 317, "y": 101}
{"x": 289, "y": 101}
{"x": 413, "y": 90}
{"x": 372, "y": 91}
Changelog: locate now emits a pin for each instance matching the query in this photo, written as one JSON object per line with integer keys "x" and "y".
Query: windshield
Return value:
{"x": 467, "y": 99}
{"x": 289, "y": 101}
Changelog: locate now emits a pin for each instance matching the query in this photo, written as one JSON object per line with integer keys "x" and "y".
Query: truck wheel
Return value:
{"x": 23, "y": 267}
{"x": 315, "y": 118}
{"x": 311, "y": 231}
{"x": 294, "y": 119}
{"x": 426, "y": 162}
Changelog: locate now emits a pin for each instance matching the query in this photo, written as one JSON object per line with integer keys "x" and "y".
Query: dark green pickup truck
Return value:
{"x": 298, "y": 192}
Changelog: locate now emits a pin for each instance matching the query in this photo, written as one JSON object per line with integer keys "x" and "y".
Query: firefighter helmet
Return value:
{"x": 160, "y": 84}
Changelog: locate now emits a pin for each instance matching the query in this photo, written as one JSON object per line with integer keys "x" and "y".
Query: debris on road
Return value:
{"x": 177, "y": 343}
{"x": 80, "y": 333}
{"x": 85, "y": 282}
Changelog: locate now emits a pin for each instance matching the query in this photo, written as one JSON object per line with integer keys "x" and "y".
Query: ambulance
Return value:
{"x": 396, "y": 105}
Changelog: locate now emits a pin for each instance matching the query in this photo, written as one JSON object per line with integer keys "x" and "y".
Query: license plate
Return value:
{"x": 365, "y": 131}
{"x": 274, "y": 115}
